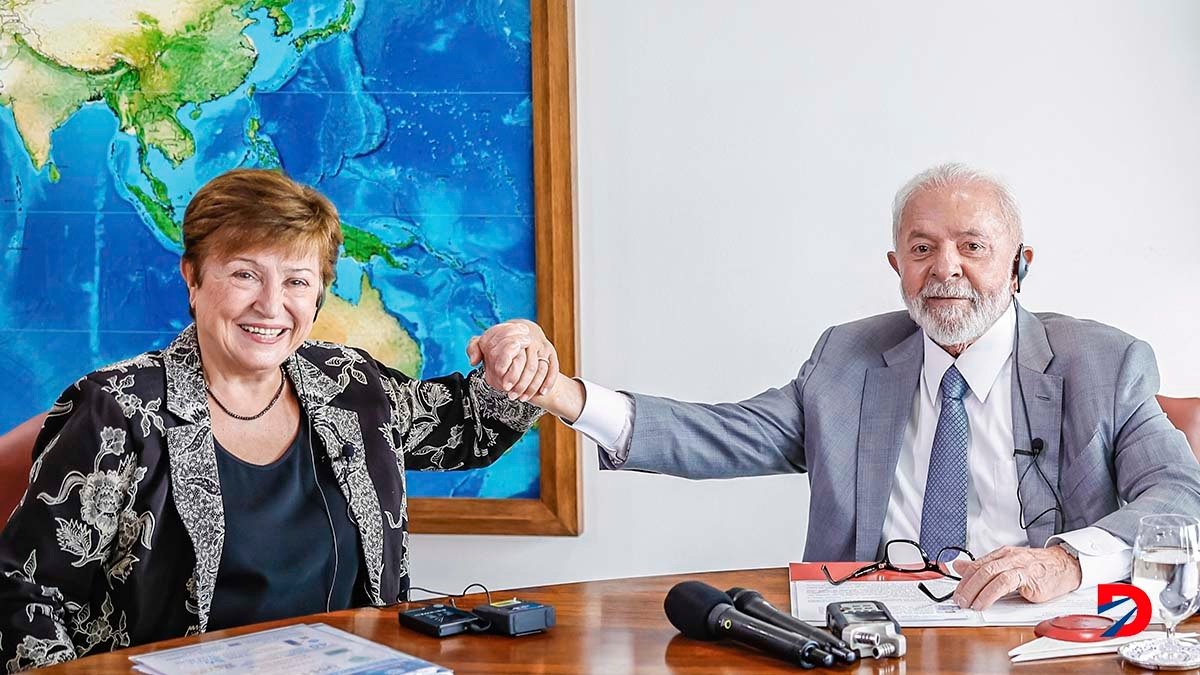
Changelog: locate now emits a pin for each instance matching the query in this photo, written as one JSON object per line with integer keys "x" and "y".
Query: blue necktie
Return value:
{"x": 944, "y": 513}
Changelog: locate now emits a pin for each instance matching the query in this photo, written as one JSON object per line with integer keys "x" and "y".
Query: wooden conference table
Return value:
{"x": 618, "y": 626}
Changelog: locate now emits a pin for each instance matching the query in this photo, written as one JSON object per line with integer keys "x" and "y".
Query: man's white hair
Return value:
{"x": 954, "y": 174}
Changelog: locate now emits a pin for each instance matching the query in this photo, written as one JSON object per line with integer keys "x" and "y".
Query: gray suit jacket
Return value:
{"x": 1109, "y": 449}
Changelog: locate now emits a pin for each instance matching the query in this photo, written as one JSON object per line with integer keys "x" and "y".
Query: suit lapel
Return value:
{"x": 1043, "y": 394}
{"x": 886, "y": 404}
{"x": 195, "y": 486}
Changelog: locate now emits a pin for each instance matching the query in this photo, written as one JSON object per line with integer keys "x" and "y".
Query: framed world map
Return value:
{"x": 439, "y": 128}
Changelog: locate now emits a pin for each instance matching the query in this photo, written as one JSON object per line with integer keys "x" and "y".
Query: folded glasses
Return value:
{"x": 907, "y": 557}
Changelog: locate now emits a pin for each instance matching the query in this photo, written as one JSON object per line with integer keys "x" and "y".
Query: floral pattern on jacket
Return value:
{"x": 118, "y": 539}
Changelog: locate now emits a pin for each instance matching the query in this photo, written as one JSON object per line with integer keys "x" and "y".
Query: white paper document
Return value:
{"x": 912, "y": 608}
{"x": 1049, "y": 648}
{"x": 291, "y": 650}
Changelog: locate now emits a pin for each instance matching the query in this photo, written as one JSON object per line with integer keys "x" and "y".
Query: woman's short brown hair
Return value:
{"x": 250, "y": 209}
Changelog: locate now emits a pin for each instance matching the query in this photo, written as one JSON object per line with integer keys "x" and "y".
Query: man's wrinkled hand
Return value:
{"x": 1038, "y": 574}
{"x": 517, "y": 359}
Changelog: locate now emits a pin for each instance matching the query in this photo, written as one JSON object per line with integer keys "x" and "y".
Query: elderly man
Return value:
{"x": 965, "y": 421}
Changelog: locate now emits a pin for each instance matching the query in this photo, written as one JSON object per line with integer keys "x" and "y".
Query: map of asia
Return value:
{"x": 413, "y": 116}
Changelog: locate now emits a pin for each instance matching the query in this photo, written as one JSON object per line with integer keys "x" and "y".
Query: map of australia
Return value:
{"x": 413, "y": 116}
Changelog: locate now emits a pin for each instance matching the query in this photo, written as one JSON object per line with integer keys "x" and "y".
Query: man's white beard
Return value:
{"x": 955, "y": 324}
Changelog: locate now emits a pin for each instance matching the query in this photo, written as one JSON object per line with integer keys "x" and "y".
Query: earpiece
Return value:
{"x": 320, "y": 302}
{"x": 1020, "y": 266}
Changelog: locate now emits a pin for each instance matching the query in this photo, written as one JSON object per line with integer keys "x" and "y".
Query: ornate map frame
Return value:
{"x": 557, "y": 511}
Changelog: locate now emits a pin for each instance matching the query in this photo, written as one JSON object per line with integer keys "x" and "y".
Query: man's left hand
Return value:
{"x": 1038, "y": 574}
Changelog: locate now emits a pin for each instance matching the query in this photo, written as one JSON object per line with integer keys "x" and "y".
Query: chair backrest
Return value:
{"x": 16, "y": 458}
{"x": 1184, "y": 413}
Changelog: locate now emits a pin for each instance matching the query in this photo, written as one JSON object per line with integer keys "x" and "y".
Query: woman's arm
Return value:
{"x": 453, "y": 422}
{"x": 457, "y": 422}
{"x": 53, "y": 548}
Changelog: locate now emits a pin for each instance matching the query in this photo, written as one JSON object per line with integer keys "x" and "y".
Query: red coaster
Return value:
{"x": 1075, "y": 628}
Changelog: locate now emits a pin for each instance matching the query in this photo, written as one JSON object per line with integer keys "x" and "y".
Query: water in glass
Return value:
{"x": 1166, "y": 565}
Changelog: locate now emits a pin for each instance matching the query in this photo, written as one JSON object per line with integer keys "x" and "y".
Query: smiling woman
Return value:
{"x": 244, "y": 473}
{"x": 258, "y": 251}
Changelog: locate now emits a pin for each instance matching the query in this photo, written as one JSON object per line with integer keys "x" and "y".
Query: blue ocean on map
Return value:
{"x": 415, "y": 122}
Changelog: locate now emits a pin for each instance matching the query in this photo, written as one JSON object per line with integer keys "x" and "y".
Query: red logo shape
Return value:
{"x": 1141, "y": 612}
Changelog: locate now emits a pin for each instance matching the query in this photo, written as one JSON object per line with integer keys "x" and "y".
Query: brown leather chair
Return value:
{"x": 16, "y": 458}
{"x": 1184, "y": 413}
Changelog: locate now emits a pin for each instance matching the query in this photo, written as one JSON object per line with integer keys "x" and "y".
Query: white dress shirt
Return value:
{"x": 993, "y": 517}
{"x": 993, "y": 514}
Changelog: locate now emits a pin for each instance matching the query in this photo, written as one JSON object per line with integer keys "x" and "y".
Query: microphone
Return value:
{"x": 755, "y": 605}
{"x": 702, "y": 612}
{"x": 1036, "y": 446}
{"x": 347, "y": 452}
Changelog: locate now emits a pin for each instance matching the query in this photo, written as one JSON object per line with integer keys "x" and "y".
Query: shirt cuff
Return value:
{"x": 607, "y": 419}
{"x": 1103, "y": 558}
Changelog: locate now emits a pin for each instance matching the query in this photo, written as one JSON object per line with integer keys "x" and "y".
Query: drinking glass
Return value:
{"x": 1166, "y": 565}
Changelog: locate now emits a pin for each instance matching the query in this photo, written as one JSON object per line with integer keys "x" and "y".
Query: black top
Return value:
{"x": 278, "y": 558}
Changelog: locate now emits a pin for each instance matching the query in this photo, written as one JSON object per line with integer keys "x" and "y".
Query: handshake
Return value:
{"x": 519, "y": 361}
{"x": 702, "y": 612}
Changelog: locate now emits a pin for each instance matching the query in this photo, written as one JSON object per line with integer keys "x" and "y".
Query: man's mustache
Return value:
{"x": 949, "y": 290}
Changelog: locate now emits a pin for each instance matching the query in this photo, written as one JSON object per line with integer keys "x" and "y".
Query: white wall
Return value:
{"x": 736, "y": 165}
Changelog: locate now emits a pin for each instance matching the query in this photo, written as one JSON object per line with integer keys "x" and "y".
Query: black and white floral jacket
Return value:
{"x": 118, "y": 539}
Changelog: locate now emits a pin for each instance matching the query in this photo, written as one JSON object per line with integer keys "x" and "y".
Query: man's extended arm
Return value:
{"x": 759, "y": 436}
